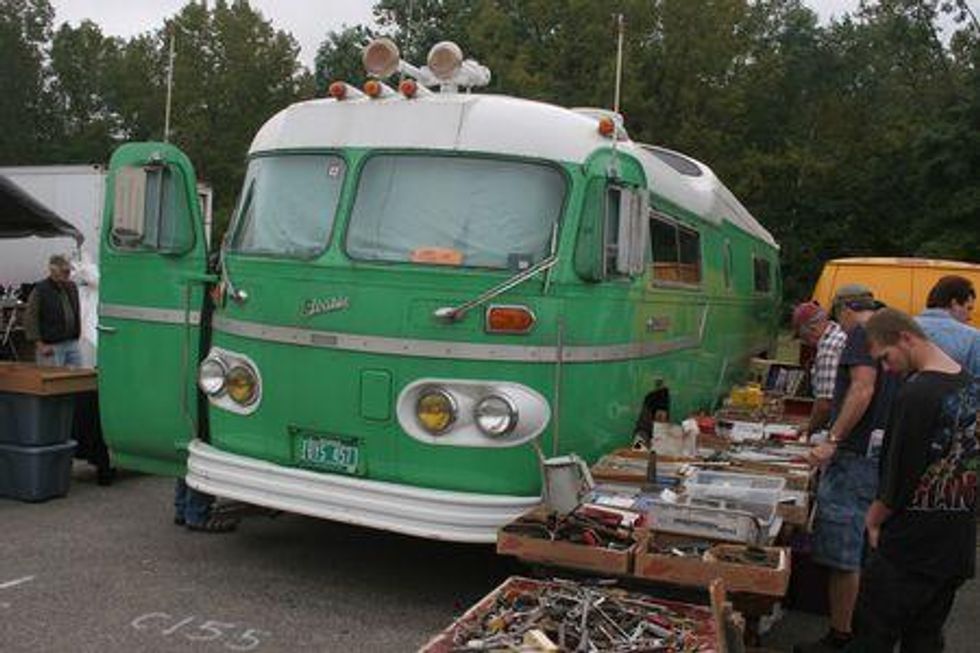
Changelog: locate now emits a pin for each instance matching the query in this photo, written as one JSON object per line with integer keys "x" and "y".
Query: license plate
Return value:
{"x": 329, "y": 453}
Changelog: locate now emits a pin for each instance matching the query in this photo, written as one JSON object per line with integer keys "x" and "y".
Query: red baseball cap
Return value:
{"x": 806, "y": 312}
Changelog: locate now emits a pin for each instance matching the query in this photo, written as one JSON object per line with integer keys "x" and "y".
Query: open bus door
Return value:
{"x": 153, "y": 279}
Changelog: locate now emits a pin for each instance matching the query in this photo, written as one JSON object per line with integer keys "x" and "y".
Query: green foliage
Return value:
{"x": 339, "y": 58}
{"x": 25, "y": 120}
{"x": 859, "y": 137}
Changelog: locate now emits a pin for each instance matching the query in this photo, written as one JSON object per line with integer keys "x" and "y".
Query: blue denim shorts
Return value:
{"x": 847, "y": 487}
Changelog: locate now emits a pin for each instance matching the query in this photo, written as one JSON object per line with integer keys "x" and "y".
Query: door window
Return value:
{"x": 150, "y": 213}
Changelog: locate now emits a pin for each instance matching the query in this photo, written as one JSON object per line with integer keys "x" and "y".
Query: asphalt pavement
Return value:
{"x": 105, "y": 569}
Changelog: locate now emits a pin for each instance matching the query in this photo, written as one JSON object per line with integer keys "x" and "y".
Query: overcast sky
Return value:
{"x": 307, "y": 20}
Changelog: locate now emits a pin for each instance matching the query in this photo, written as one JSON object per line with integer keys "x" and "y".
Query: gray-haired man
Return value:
{"x": 53, "y": 317}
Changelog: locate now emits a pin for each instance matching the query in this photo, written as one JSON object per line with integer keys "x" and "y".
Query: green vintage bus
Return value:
{"x": 417, "y": 290}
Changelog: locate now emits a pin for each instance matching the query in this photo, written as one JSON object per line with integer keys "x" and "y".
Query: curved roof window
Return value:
{"x": 680, "y": 163}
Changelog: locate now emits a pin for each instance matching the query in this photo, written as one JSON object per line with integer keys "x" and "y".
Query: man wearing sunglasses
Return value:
{"x": 862, "y": 397}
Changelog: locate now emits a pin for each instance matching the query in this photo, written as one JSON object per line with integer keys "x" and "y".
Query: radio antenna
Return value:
{"x": 170, "y": 84}
{"x": 619, "y": 62}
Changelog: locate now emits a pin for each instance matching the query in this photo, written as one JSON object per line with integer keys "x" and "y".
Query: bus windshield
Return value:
{"x": 289, "y": 205}
{"x": 452, "y": 210}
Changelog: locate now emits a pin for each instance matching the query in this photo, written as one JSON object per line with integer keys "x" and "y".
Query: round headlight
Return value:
{"x": 495, "y": 415}
{"x": 242, "y": 385}
{"x": 211, "y": 377}
{"x": 435, "y": 410}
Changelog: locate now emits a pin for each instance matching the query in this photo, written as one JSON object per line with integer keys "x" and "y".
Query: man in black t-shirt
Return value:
{"x": 921, "y": 527}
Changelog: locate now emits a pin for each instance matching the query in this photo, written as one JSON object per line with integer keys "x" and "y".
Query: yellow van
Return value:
{"x": 903, "y": 283}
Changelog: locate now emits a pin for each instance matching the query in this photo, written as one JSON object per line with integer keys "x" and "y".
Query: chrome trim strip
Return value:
{"x": 447, "y": 349}
{"x": 148, "y": 314}
{"x": 422, "y": 512}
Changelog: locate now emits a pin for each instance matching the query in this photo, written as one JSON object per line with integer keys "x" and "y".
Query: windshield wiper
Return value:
{"x": 454, "y": 313}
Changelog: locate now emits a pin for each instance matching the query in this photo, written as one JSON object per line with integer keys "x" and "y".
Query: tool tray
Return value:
{"x": 517, "y": 539}
{"x": 706, "y": 628}
{"x": 770, "y": 577}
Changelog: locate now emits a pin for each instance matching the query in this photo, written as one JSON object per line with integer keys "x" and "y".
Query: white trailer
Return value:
{"x": 75, "y": 193}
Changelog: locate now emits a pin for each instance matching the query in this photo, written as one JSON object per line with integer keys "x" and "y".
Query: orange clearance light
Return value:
{"x": 338, "y": 90}
{"x": 509, "y": 319}
{"x": 607, "y": 127}
{"x": 408, "y": 88}
{"x": 372, "y": 88}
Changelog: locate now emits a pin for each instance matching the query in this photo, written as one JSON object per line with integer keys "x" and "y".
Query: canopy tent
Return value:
{"x": 21, "y": 215}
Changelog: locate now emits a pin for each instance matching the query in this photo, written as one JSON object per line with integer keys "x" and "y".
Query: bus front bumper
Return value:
{"x": 433, "y": 514}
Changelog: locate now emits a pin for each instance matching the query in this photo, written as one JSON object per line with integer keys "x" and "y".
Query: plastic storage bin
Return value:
{"x": 686, "y": 517}
{"x": 35, "y": 473}
{"x": 754, "y": 494}
{"x": 35, "y": 420}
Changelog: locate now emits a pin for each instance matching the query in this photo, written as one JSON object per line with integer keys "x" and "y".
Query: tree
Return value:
{"x": 339, "y": 58}
{"x": 25, "y": 117}
{"x": 85, "y": 126}
{"x": 232, "y": 71}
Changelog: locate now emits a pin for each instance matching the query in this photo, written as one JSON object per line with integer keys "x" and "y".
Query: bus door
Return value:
{"x": 153, "y": 259}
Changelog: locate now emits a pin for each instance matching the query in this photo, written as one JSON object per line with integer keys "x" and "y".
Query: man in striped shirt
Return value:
{"x": 813, "y": 326}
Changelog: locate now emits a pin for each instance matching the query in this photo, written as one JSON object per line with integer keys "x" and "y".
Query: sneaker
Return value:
{"x": 831, "y": 641}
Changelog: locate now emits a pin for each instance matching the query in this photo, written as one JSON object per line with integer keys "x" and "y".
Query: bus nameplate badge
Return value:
{"x": 327, "y": 453}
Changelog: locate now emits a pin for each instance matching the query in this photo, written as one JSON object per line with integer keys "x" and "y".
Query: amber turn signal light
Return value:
{"x": 509, "y": 319}
{"x": 372, "y": 88}
{"x": 408, "y": 87}
{"x": 338, "y": 90}
{"x": 606, "y": 126}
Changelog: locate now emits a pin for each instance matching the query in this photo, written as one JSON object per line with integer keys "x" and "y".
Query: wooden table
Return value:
{"x": 27, "y": 378}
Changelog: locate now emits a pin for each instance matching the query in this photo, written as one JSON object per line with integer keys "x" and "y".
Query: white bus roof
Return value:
{"x": 501, "y": 125}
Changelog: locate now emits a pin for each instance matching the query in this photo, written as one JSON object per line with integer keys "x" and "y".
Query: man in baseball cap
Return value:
{"x": 814, "y": 327}
{"x": 862, "y": 398}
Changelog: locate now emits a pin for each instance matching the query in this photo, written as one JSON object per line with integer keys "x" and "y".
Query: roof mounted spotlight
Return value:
{"x": 446, "y": 64}
{"x": 381, "y": 58}
{"x": 445, "y": 60}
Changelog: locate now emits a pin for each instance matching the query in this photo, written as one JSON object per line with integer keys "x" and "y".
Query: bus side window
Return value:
{"x": 149, "y": 212}
{"x": 762, "y": 274}
{"x": 676, "y": 252}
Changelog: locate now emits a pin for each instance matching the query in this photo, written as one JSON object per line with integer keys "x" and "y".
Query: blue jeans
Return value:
{"x": 63, "y": 354}
{"x": 190, "y": 505}
{"x": 847, "y": 487}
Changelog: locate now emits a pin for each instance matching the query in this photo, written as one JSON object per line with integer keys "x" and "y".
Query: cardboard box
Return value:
{"x": 694, "y": 571}
{"x": 563, "y": 553}
{"x": 798, "y": 512}
{"x": 754, "y": 579}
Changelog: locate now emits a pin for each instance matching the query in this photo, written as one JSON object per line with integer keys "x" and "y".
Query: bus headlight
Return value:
{"x": 211, "y": 377}
{"x": 495, "y": 415}
{"x": 242, "y": 385}
{"x": 435, "y": 410}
